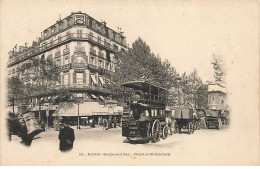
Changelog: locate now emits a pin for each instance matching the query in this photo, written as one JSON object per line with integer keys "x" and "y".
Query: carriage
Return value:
{"x": 144, "y": 115}
{"x": 213, "y": 118}
{"x": 184, "y": 119}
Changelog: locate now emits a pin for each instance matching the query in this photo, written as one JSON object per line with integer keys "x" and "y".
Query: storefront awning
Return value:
{"x": 102, "y": 98}
{"x": 102, "y": 80}
{"x": 85, "y": 109}
{"x": 92, "y": 95}
{"x": 93, "y": 79}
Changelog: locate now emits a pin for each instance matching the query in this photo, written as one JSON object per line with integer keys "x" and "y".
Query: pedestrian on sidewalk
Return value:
{"x": 66, "y": 137}
{"x": 114, "y": 122}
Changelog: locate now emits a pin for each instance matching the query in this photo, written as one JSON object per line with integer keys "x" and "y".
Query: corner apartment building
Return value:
{"x": 217, "y": 97}
{"x": 84, "y": 49}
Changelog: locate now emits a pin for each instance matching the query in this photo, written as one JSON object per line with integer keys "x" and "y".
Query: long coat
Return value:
{"x": 66, "y": 137}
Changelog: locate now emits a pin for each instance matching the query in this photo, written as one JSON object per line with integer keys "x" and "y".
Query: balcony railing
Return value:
{"x": 70, "y": 36}
{"x": 65, "y": 67}
{"x": 93, "y": 67}
{"x": 87, "y": 87}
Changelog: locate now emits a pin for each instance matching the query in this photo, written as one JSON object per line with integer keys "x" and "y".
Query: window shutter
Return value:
{"x": 74, "y": 77}
{"x": 62, "y": 79}
{"x": 84, "y": 77}
{"x": 69, "y": 78}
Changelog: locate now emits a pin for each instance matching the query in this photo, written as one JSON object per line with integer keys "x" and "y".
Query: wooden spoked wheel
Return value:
{"x": 156, "y": 129}
{"x": 165, "y": 132}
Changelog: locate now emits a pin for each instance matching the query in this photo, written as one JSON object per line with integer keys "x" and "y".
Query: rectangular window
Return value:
{"x": 66, "y": 79}
{"x": 58, "y": 62}
{"x": 90, "y": 35}
{"x": 79, "y": 33}
{"x": 51, "y": 42}
{"x": 92, "y": 61}
{"x": 59, "y": 39}
{"x": 79, "y": 78}
{"x": 68, "y": 34}
{"x": 66, "y": 61}
{"x": 100, "y": 63}
{"x": 99, "y": 39}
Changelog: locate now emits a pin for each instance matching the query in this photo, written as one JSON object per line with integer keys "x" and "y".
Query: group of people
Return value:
{"x": 66, "y": 134}
{"x": 107, "y": 123}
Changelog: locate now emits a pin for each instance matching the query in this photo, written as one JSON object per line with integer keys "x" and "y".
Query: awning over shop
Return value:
{"x": 101, "y": 80}
{"x": 44, "y": 107}
{"x": 85, "y": 109}
{"x": 102, "y": 98}
{"x": 94, "y": 97}
{"x": 93, "y": 79}
{"x": 118, "y": 109}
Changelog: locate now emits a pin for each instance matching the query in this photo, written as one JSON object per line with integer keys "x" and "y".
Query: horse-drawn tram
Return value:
{"x": 144, "y": 115}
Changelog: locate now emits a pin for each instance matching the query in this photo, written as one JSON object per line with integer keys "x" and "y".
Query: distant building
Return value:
{"x": 217, "y": 96}
{"x": 83, "y": 48}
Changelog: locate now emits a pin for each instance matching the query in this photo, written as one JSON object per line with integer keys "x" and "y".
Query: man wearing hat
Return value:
{"x": 66, "y": 137}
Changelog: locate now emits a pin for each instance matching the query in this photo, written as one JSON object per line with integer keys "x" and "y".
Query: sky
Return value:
{"x": 187, "y": 33}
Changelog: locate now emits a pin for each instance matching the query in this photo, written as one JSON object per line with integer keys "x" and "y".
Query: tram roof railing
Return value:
{"x": 141, "y": 85}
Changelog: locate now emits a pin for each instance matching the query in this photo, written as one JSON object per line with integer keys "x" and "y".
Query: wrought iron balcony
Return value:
{"x": 86, "y": 87}
{"x": 37, "y": 49}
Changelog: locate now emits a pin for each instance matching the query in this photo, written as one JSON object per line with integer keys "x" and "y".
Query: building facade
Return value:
{"x": 83, "y": 48}
{"x": 217, "y": 97}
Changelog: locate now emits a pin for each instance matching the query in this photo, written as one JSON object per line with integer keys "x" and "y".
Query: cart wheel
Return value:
{"x": 156, "y": 131}
{"x": 128, "y": 139}
{"x": 165, "y": 132}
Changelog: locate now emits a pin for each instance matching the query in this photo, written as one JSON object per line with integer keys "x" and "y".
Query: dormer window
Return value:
{"x": 52, "y": 30}
{"x": 61, "y": 26}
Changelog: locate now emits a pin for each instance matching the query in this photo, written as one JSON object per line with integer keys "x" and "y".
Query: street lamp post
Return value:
{"x": 78, "y": 127}
{"x": 47, "y": 114}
